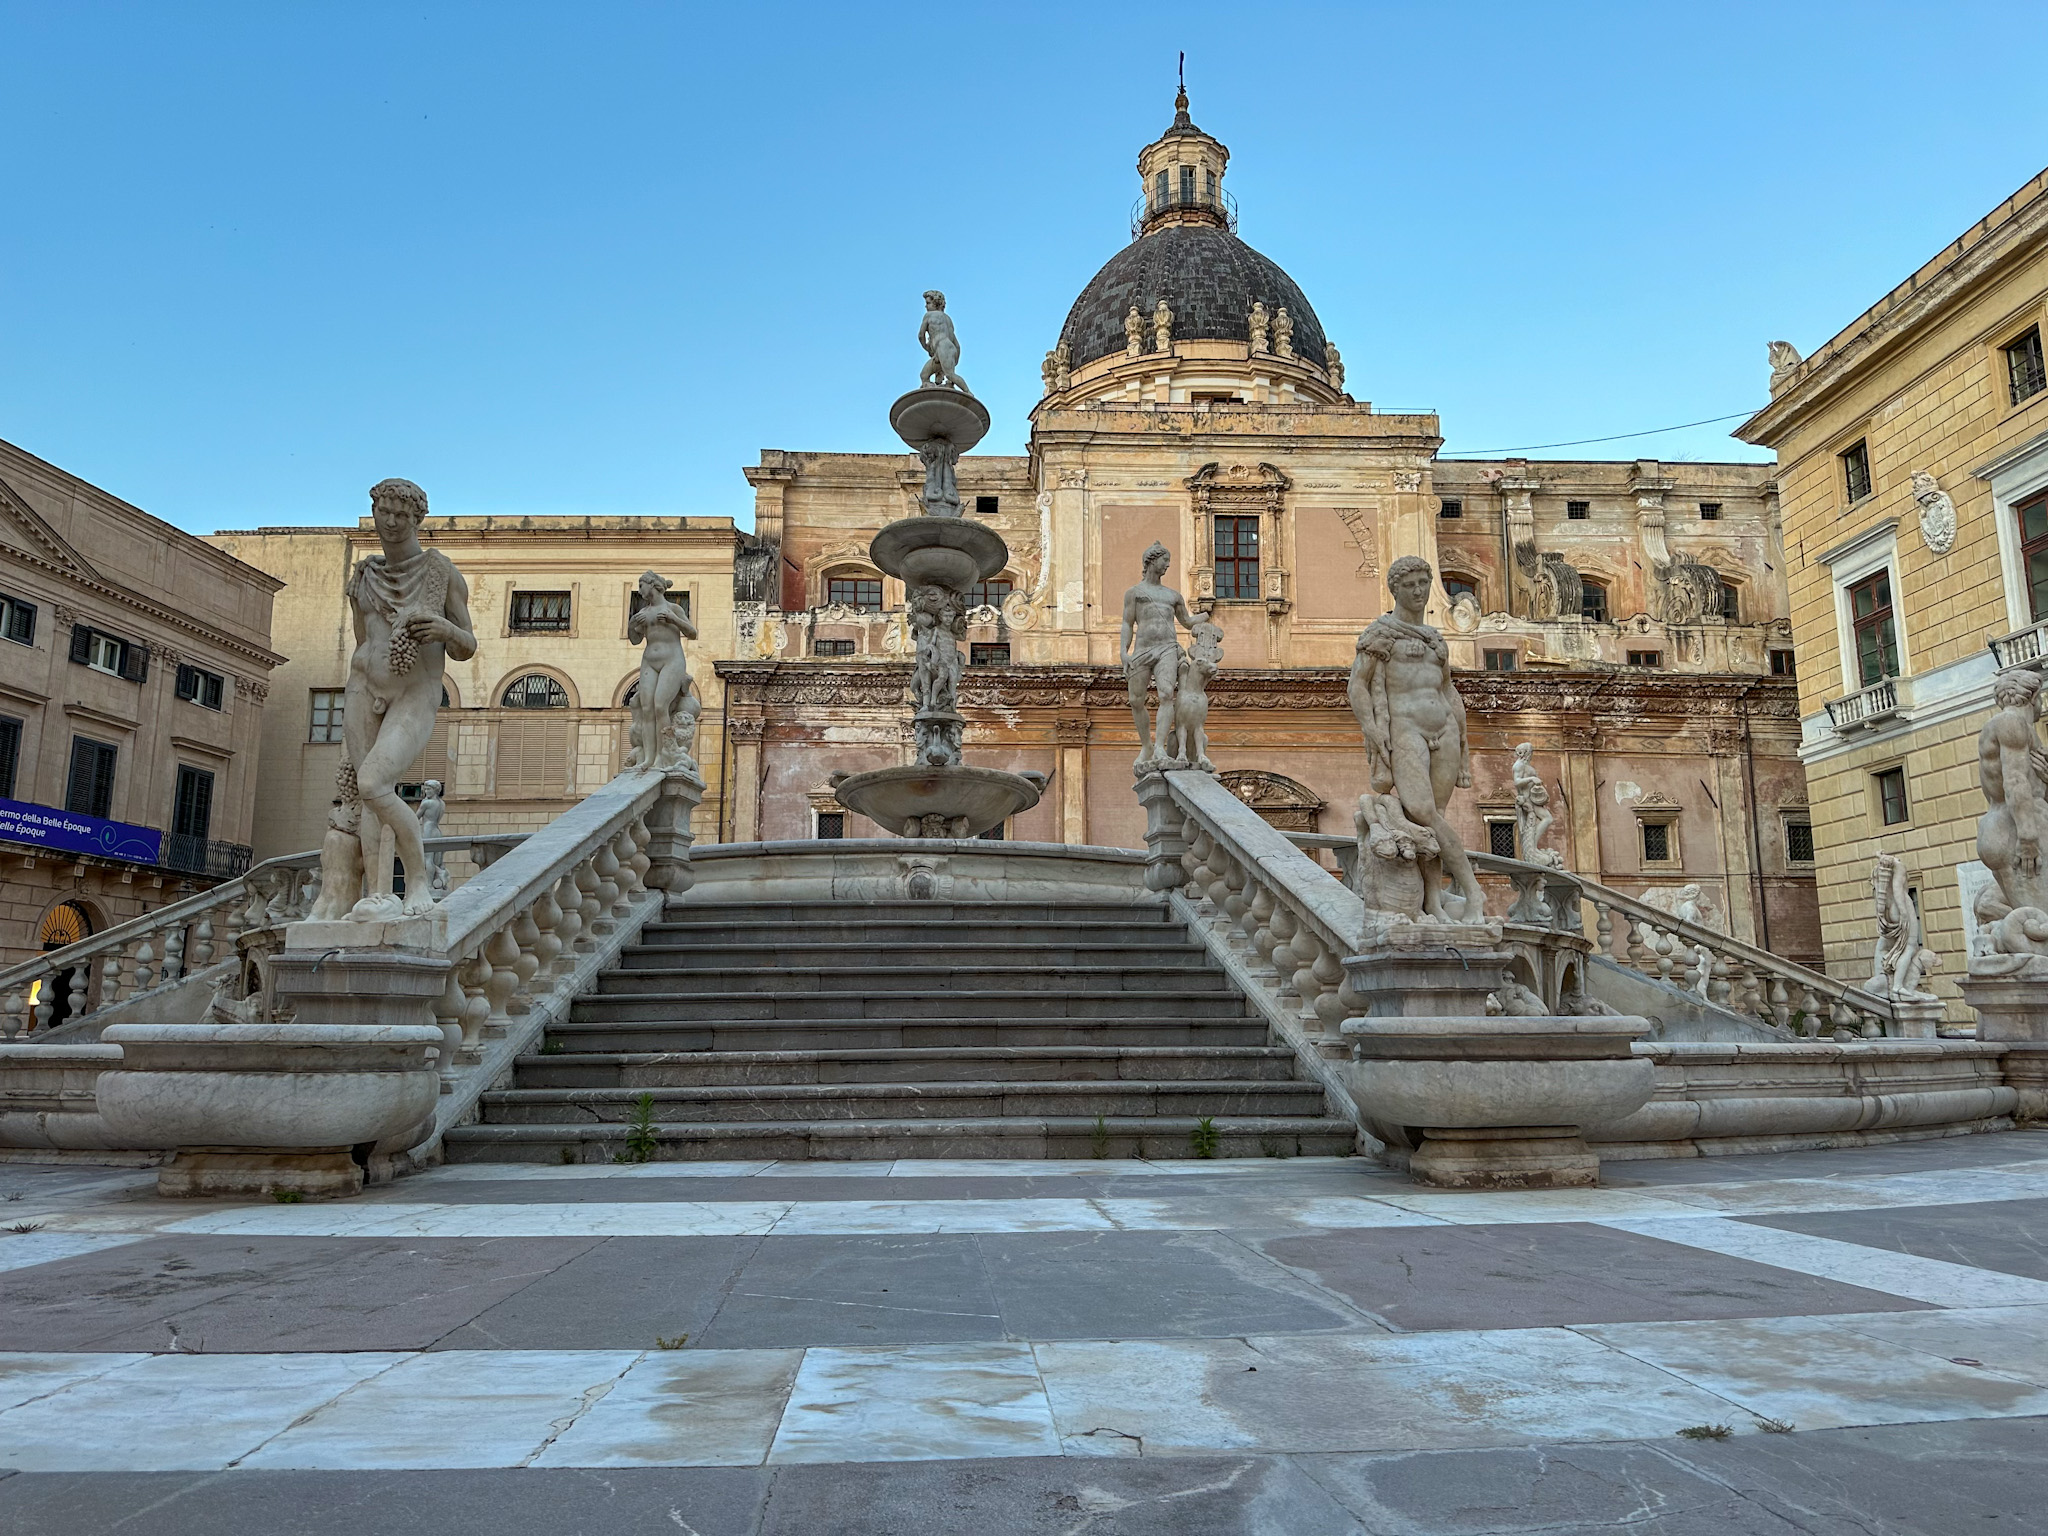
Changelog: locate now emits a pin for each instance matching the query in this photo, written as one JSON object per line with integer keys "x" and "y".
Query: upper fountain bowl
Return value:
{"x": 945, "y": 415}
{"x": 945, "y": 551}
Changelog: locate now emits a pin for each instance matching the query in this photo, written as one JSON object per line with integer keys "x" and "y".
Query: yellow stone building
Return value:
{"x": 1913, "y": 480}
{"x": 537, "y": 718}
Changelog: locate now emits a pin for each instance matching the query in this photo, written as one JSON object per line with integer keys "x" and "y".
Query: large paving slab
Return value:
{"x": 2010, "y": 1236}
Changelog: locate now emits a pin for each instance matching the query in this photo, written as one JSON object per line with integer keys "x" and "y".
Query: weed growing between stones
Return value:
{"x": 1098, "y": 1139}
{"x": 286, "y": 1196}
{"x": 568, "y": 1154}
{"x": 551, "y": 1047}
{"x": 1776, "y": 1426}
{"x": 1705, "y": 1432}
{"x": 675, "y": 1343}
{"x": 641, "y": 1142}
{"x": 26, "y": 1226}
{"x": 1204, "y": 1139}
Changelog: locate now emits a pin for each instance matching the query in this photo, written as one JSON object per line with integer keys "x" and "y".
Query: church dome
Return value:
{"x": 1209, "y": 279}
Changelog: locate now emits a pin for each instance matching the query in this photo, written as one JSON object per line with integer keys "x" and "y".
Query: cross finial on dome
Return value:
{"x": 1180, "y": 99}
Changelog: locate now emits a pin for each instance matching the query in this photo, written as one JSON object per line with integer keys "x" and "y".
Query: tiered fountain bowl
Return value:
{"x": 939, "y": 799}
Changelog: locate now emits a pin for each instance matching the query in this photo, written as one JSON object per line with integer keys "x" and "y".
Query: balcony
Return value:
{"x": 1219, "y": 206}
{"x": 2022, "y": 648}
{"x": 208, "y": 857}
{"x": 121, "y": 842}
{"x": 1865, "y": 709}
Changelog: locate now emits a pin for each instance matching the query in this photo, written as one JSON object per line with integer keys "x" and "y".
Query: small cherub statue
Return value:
{"x": 432, "y": 808}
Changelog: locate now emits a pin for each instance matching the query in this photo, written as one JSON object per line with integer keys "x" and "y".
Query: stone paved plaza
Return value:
{"x": 1298, "y": 1347}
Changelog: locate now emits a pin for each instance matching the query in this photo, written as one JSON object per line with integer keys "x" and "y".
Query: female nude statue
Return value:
{"x": 661, "y": 700}
{"x": 411, "y": 610}
{"x": 1414, "y": 725}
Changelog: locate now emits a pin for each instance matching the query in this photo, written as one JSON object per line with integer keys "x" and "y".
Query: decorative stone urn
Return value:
{"x": 1495, "y": 1103}
{"x": 257, "y": 1109}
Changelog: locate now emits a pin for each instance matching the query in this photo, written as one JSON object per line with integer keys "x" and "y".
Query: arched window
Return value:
{"x": 989, "y": 594}
{"x": 536, "y": 690}
{"x": 632, "y": 692}
{"x": 1592, "y": 599}
{"x": 1460, "y": 586}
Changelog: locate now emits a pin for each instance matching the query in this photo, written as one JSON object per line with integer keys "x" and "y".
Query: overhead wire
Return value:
{"x": 1580, "y": 442}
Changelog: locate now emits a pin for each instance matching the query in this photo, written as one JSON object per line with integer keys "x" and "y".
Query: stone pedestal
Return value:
{"x": 671, "y": 831}
{"x": 1428, "y": 969}
{"x": 1165, "y": 835}
{"x": 2010, "y": 994}
{"x": 1917, "y": 1018}
{"x": 1494, "y": 1103}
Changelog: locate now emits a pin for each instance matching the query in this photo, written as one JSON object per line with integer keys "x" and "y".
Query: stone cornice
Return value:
{"x": 1615, "y": 698}
{"x": 2009, "y": 233}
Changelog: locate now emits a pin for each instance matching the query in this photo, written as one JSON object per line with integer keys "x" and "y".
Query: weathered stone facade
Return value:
{"x": 74, "y": 558}
{"x": 1942, "y": 379}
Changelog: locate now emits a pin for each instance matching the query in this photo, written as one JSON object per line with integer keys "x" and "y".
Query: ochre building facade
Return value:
{"x": 1914, "y": 472}
{"x": 135, "y": 669}
{"x": 537, "y": 718}
{"x": 1628, "y": 618}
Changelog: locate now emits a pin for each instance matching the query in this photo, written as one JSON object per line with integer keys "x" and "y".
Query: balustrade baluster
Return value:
{"x": 145, "y": 964}
{"x": 502, "y": 953}
{"x": 1663, "y": 943}
{"x": 547, "y": 916}
{"x": 473, "y": 973}
{"x": 1329, "y": 974}
{"x": 110, "y": 978}
{"x": 17, "y": 1014}
{"x": 643, "y": 838}
{"x": 569, "y": 926}
{"x": 526, "y": 939}
{"x": 1638, "y": 955}
{"x": 448, "y": 1011}
{"x": 81, "y": 975}
{"x": 46, "y": 1000}
{"x": 1781, "y": 1004}
{"x": 604, "y": 864}
{"x": 1603, "y": 929}
{"x": 1308, "y": 986}
{"x": 202, "y": 941}
{"x": 1283, "y": 931}
{"x": 174, "y": 953}
{"x": 1262, "y": 909}
{"x": 587, "y": 884}
{"x": 129, "y": 972}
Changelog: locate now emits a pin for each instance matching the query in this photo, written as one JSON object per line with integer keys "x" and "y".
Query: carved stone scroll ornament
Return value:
{"x": 1413, "y": 721}
{"x": 1937, "y": 513}
{"x": 666, "y": 703}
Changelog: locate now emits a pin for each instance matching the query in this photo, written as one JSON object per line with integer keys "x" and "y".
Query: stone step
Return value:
{"x": 783, "y": 980}
{"x": 994, "y": 912}
{"x": 1151, "y": 1136}
{"x": 865, "y": 956}
{"x": 586, "y": 1033}
{"x": 961, "y": 1007}
{"x": 851, "y": 928}
{"x": 754, "y": 1102}
{"x": 1011, "y": 1064}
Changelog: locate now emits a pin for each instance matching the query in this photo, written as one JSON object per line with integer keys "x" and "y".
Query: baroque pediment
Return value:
{"x": 23, "y": 527}
{"x": 1238, "y": 477}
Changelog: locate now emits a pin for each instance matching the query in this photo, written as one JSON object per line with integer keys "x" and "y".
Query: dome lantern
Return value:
{"x": 1180, "y": 176}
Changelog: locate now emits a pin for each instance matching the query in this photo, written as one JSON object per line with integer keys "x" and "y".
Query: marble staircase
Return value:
{"x": 830, "y": 1031}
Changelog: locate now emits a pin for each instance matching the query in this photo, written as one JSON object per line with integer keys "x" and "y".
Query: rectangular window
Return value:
{"x": 993, "y": 835}
{"x": 993, "y": 655}
{"x": 831, "y": 647}
{"x": 1731, "y": 603}
{"x": 1891, "y": 796}
{"x": 1237, "y": 559}
{"x": 17, "y": 621}
{"x": 680, "y": 597}
{"x": 1450, "y": 506}
{"x": 862, "y": 592}
{"x": 192, "y": 810}
{"x": 988, "y": 594}
{"x": 1656, "y": 842}
{"x": 1870, "y": 618}
{"x": 91, "y": 790}
{"x": 1646, "y": 658}
{"x": 2023, "y": 366}
{"x": 1500, "y": 661}
{"x": 1592, "y": 601}
{"x": 1798, "y": 842}
{"x": 1710, "y": 511}
{"x": 1500, "y": 839}
{"x": 1578, "y": 511}
{"x": 540, "y": 613}
{"x": 109, "y": 653}
{"x": 1856, "y": 471}
{"x": 1187, "y": 184}
{"x": 831, "y": 823}
{"x": 1784, "y": 664}
{"x": 10, "y": 755}
{"x": 198, "y": 686}
{"x": 325, "y": 725}
{"x": 1159, "y": 190}
{"x": 987, "y": 506}
{"x": 2033, "y": 519}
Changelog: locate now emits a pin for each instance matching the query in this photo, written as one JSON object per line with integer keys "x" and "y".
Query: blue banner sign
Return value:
{"x": 69, "y": 832}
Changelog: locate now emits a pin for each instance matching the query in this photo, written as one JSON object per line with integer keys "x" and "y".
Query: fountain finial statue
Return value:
{"x": 936, "y": 335}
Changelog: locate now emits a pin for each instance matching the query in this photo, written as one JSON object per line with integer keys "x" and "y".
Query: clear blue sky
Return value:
{"x": 592, "y": 257}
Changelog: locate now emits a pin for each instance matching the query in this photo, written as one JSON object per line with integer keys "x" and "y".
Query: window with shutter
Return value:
{"x": 192, "y": 811}
{"x": 91, "y": 790}
{"x": 534, "y": 755}
{"x": 433, "y": 763}
{"x": 17, "y": 621}
{"x": 10, "y": 755}
{"x": 81, "y": 644}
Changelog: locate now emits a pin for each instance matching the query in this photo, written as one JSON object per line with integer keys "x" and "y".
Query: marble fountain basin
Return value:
{"x": 970, "y": 799}
{"x": 940, "y": 551}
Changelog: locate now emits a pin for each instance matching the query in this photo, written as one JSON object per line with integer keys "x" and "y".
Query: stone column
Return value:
{"x": 1582, "y": 787}
{"x": 745, "y": 736}
{"x": 1072, "y": 736}
{"x": 1735, "y": 815}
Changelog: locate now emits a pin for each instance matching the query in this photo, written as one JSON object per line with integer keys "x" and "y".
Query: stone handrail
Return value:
{"x": 1737, "y": 976}
{"x": 180, "y": 939}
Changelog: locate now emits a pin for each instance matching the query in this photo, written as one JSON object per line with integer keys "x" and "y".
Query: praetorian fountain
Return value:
{"x": 938, "y": 555}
